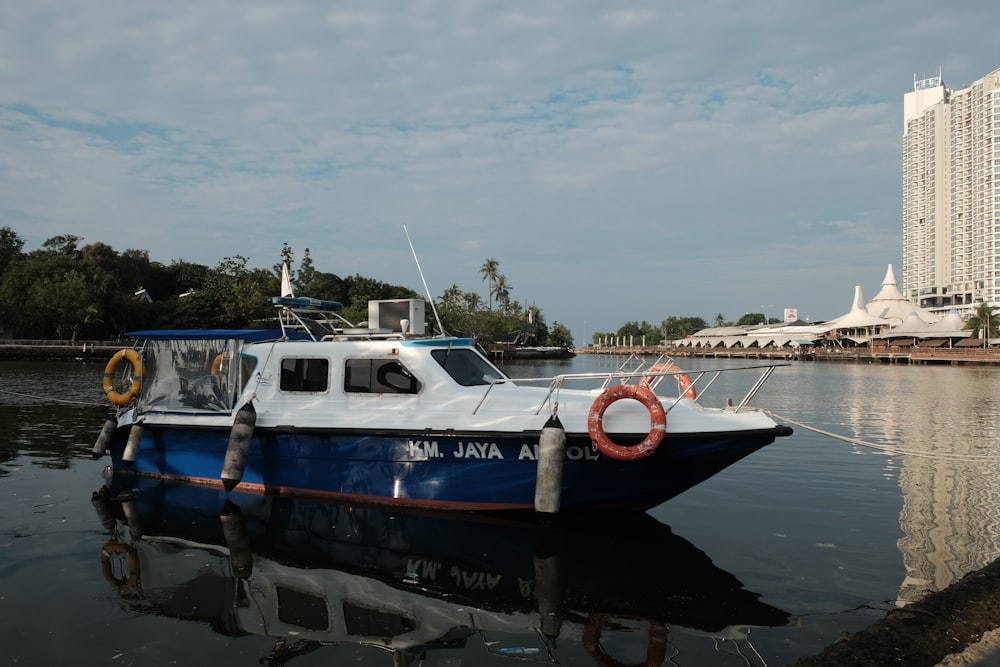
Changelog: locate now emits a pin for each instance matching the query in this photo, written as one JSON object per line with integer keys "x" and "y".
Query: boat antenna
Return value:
{"x": 430, "y": 299}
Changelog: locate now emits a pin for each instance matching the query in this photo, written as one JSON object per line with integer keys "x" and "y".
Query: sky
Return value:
{"x": 621, "y": 161}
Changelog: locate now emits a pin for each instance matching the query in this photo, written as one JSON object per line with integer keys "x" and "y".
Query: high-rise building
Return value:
{"x": 951, "y": 194}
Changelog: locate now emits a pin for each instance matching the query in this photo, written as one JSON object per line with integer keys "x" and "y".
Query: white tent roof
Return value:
{"x": 890, "y": 304}
{"x": 858, "y": 317}
{"x": 912, "y": 324}
{"x": 952, "y": 324}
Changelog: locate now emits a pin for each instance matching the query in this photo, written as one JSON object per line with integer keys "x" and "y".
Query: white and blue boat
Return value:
{"x": 387, "y": 414}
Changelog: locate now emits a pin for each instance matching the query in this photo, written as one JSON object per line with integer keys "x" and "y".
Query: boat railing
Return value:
{"x": 702, "y": 379}
{"x": 315, "y": 317}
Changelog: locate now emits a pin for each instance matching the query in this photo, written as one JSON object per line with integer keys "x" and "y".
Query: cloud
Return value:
{"x": 621, "y": 162}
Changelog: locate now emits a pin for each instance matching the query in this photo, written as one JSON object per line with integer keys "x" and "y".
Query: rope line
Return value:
{"x": 888, "y": 449}
{"x": 50, "y": 398}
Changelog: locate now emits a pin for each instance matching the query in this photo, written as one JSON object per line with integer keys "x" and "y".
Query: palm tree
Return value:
{"x": 984, "y": 323}
{"x": 501, "y": 288}
{"x": 720, "y": 319}
{"x": 490, "y": 271}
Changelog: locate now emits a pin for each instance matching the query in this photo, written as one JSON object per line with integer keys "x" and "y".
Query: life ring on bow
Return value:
{"x": 658, "y": 419}
{"x": 656, "y": 648}
{"x": 130, "y": 558}
{"x": 684, "y": 383}
{"x": 117, "y": 397}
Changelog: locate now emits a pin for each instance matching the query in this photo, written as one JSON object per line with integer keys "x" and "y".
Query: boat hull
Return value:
{"x": 447, "y": 470}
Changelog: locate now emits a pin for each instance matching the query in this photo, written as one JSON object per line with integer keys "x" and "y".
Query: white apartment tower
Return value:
{"x": 951, "y": 194}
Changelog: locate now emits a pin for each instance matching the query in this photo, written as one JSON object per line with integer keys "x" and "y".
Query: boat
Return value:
{"x": 395, "y": 412}
{"x": 422, "y": 586}
{"x": 524, "y": 345}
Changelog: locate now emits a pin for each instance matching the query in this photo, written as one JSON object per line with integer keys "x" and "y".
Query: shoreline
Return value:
{"x": 956, "y": 626}
{"x": 104, "y": 350}
{"x": 53, "y": 350}
{"x": 952, "y": 356}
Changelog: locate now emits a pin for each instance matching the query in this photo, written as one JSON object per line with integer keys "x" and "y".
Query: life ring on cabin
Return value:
{"x": 117, "y": 397}
{"x": 684, "y": 383}
{"x": 129, "y": 556}
{"x": 217, "y": 362}
{"x": 658, "y": 419}
{"x": 656, "y": 648}
{"x": 246, "y": 365}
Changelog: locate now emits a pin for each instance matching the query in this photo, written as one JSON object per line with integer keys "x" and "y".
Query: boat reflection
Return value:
{"x": 311, "y": 574}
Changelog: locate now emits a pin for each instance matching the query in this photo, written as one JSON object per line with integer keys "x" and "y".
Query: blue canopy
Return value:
{"x": 304, "y": 302}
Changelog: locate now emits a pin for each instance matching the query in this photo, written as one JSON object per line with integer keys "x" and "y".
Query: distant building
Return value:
{"x": 951, "y": 194}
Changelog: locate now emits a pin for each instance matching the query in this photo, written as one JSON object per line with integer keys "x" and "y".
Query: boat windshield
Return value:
{"x": 193, "y": 374}
{"x": 466, "y": 367}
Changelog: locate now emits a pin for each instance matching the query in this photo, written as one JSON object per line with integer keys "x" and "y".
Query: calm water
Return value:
{"x": 767, "y": 562}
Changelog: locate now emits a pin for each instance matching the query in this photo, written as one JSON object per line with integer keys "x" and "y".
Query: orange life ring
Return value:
{"x": 245, "y": 364}
{"x": 656, "y": 648}
{"x": 131, "y": 559}
{"x": 123, "y": 398}
{"x": 658, "y": 418}
{"x": 217, "y": 362}
{"x": 683, "y": 379}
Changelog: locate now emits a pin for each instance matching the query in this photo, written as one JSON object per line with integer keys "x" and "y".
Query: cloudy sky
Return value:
{"x": 620, "y": 160}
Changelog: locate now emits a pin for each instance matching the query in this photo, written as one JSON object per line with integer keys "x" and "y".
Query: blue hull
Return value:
{"x": 436, "y": 470}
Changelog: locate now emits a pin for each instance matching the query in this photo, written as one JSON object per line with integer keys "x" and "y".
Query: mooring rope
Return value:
{"x": 46, "y": 399}
{"x": 888, "y": 449}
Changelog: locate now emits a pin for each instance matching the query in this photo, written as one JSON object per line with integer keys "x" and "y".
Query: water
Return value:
{"x": 815, "y": 535}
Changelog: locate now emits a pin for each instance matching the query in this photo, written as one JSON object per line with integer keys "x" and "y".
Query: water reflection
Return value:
{"x": 936, "y": 427}
{"x": 951, "y": 483}
{"x": 312, "y": 574}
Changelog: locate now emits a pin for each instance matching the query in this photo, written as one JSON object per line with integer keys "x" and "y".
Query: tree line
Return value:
{"x": 68, "y": 291}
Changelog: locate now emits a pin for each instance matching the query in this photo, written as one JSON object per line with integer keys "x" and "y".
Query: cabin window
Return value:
{"x": 302, "y": 609}
{"x": 466, "y": 367}
{"x": 305, "y": 374}
{"x": 378, "y": 376}
{"x": 361, "y": 621}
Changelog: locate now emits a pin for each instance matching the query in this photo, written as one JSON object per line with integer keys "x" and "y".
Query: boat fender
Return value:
{"x": 129, "y": 558}
{"x": 684, "y": 383}
{"x": 131, "y": 513}
{"x": 549, "y": 592}
{"x": 132, "y": 444}
{"x": 548, "y": 477}
{"x": 123, "y": 398}
{"x": 656, "y": 647}
{"x": 658, "y": 422}
{"x": 102, "y": 506}
{"x": 235, "y": 462}
{"x": 234, "y": 529}
{"x": 104, "y": 437}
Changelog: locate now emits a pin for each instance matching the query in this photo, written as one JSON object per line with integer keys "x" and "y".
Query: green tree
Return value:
{"x": 560, "y": 336}
{"x": 490, "y": 271}
{"x": 984, "y": 323}
{"x": 501, "y": 290}
{"x": 750, "y": 319}
{"x": 49, "y": 292}
{"x": 675, "y": 328}
{"x": 10, "y": 248}
{"x": 232, "y": 296}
